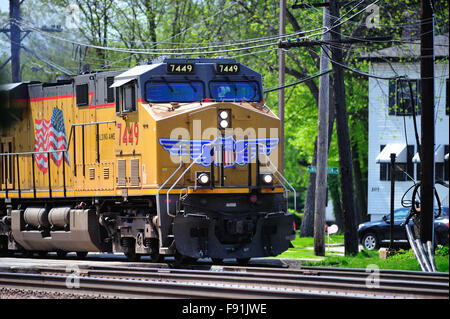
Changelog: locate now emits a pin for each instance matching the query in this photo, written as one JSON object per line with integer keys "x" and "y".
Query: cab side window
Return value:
{"x": 129, "y": 98}
{"x": 126, "y": 101}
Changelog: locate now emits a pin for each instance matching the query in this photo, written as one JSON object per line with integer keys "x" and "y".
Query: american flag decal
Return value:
{"x": 50, "y": 135}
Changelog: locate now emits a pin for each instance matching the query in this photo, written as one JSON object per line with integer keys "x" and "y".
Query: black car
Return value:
{"x": 376, "y": 234}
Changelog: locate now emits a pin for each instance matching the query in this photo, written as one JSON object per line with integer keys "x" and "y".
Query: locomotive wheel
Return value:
{"x": 61, "y": 253}
{"x": 82, "y": 254}
{"x": 155, "y": 256}
{"x": 242, "y": 261}
{"x": 4, "y": 246}
{"x": 218, "y": 261}
{"x": 182, "y": 259}
{"x": 27, "y": 254}
{"x": 132, "y": 256}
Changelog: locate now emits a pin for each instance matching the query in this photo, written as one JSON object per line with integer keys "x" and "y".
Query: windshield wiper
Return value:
{"x": 167, "y": 83}
{"x": 190, "y": 83}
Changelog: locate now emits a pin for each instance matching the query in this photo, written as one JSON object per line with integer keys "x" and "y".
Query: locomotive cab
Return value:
{"x": 175, "y": 158}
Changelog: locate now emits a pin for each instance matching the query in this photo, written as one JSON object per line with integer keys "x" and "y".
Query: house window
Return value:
{"x": 446, "y": 166}
{"x": 441, "y": 169}
{"x": 401, "y": 101}
{"x": 447, "y": 98}
{"x": 403, "y": 172}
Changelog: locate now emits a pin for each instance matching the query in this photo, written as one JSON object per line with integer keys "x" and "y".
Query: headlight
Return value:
{"x": 223, "y": 124}
{"x": 224, "y": 118}
{"x": 203, "y": 178}
{"x": 223, "y": 115}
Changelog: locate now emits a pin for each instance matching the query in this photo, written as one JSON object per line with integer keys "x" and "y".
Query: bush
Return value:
{"x": 297, "y": 218}
{"x": 441, "y": 251}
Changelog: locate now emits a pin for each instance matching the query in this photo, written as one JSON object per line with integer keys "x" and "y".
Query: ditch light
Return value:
{"x": 202, "y": 178}
{"x": 266, "y": 179}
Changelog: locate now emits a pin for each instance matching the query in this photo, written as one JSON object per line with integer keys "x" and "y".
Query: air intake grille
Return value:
{"x": 134, "y": 178}
{"x": 121, "y": 172}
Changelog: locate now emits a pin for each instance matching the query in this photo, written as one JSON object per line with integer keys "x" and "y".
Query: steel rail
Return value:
{"x": 153, "y": 289}
{"x": 410, "y": 284}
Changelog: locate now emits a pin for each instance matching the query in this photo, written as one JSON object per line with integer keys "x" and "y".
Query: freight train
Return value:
{"x": 176, "y": 158}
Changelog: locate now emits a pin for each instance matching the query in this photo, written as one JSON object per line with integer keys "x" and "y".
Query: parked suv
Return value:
{"x": 376, "y": 234}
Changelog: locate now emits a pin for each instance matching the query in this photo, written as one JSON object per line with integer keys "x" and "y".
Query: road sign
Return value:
{"x": 330, "y": 170}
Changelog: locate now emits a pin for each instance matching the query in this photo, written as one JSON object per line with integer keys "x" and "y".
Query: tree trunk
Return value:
{"x": 307, "y": 227}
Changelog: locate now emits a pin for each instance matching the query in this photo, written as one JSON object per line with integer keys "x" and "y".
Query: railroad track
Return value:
{"x": 230, "y": 281}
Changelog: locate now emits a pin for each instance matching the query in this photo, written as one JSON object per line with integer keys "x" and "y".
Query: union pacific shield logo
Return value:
{"x": 239, "y": 152}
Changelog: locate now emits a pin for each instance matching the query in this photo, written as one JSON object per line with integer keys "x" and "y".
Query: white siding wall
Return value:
{"x": 385, "y": 129}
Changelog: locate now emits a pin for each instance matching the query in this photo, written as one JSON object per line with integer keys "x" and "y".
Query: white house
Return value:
{"x": 391, "y": 126}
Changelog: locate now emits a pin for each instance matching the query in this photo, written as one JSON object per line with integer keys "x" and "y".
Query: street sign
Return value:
{"x": 330, "y": 170}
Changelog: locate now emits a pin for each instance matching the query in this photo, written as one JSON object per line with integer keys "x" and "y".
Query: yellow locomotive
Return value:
{"x": 177, "y": 158}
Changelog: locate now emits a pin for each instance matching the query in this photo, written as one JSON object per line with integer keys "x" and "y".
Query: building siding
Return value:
{"x": 385, "y": 129}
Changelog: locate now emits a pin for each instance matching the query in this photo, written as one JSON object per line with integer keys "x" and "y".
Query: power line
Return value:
{"x": 171, "y": 51}
{"x": 297, "y": 82}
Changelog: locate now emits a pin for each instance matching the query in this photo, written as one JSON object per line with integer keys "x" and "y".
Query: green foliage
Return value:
{"x": 189, "y": 25}
{"x": 403, "y": 260}
{"x": 442, "y": 251}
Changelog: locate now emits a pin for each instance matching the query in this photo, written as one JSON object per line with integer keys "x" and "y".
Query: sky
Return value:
{"x": 4, "y": 5}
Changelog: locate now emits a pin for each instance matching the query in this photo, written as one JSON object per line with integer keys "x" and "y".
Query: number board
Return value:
{"x": 180, "y": 68}
{"x": 229, "y": 68}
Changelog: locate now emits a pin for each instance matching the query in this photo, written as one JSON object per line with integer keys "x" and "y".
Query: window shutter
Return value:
{"x": 392, "y": 96}
{"x": 409, "y": 163}
{"x": 383, "y": 168}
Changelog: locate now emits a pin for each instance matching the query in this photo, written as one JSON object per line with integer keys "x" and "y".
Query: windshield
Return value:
{"x": 158, "y": 92}
{"x": 399, "y": 214}
{"x": 239, "y": 91}
{"x": 444, "y": 211}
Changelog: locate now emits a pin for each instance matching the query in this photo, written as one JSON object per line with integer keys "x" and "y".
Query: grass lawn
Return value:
{"x": 404, "y": 260}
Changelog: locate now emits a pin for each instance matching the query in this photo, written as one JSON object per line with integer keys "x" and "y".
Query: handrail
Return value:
{"x": 68, "y": 141}
{"x": 164, "y": 184}
{"x": 32, "y": 159}
{"x": 176, "y": 182}
{"x": 32, "y": 153}
{"x": 281, "y": 175}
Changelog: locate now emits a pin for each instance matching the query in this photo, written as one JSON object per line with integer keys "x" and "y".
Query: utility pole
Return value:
{"x": 345, "y": 159}
{"x": 14, "y": 33}
{"x": 281, "y": 77}
{"x": 322, "y": 144}
{"x": 14, "y": 16}
{"x": 427, "y": 120}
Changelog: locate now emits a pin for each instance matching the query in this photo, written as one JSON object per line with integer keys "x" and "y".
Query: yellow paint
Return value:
{"x": 133, "y": 137}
